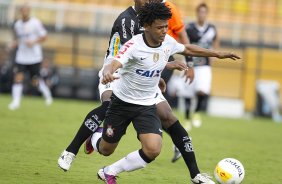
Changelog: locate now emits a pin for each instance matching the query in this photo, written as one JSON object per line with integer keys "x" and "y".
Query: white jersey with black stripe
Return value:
{"x": 142, "y": 67}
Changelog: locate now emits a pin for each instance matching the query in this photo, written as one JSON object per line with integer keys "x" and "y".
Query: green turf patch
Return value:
{"x": 33, "y": 137}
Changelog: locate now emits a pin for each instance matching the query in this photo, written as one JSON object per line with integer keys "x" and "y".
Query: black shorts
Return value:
{"x": 33, "y": 69}
{"x": 120, "y": 114}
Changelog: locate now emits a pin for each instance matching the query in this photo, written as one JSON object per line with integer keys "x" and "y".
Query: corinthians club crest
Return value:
{"x": 156, "y": 57}
{"x": 110, "y": 131}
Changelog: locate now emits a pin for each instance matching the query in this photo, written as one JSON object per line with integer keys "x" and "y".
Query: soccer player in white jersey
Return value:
{"x": 29, "y": 34}
{"x": 141, "y": 61}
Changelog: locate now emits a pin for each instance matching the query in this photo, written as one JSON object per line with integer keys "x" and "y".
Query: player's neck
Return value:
{"x": 150, "y": 42}
{"x": 25, "y": 19}
{"x": 201, "y": 23}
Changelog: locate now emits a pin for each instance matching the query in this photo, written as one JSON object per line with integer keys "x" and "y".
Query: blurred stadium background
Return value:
{"x": 79, "y": 30}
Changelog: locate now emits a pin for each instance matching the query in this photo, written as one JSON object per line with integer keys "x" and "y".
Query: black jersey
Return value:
{"x": 203, "y": 37}
{"x": 124, "y": 28}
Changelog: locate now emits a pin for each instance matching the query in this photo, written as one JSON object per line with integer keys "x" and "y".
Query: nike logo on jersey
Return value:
{"x": 142, "y": 59}
{"x": 148, "y": 73}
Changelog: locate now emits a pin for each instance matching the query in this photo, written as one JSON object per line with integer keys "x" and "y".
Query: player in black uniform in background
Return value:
{"x": 205, "y": 35}
{"x": 125, "y": 26}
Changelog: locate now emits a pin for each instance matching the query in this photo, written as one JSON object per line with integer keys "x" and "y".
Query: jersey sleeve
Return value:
{"x": 126, "y": 52}
{"x": 176, "y": 24}
{"x": 175, "y": 46}
{"x": 123, "y": 31}
{"x": 41, "y": 31}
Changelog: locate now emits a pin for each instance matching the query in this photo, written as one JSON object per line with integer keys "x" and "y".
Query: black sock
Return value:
{"x": 91, "y": 122}
{"x": 202, "y": 103}
{"x": 182, "y": 141}
{"x": 187, "y": 108}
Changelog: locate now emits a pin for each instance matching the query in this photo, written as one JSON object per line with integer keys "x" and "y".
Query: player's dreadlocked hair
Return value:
{"x": 153, "y": 11}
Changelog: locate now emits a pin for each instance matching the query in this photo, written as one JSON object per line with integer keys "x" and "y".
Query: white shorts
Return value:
{"x": 202, "y": 82}
{"x": 160, "y": 97}
{"x": 104, "y": 87}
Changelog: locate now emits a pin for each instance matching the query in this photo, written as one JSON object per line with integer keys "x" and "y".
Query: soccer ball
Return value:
{"x": 229, "y": 171}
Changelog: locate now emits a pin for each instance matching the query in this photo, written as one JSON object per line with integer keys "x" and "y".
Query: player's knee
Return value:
{"x": 107, "y": 153}
{"x": 106, "y": 96}
{"x": 152, "y": 152}
{"x": 153, "y": 149}
{"x": 168, "y": 119}
{"x": 19, "y": 77}
{"x": 106, "y": 150}
{"x": 35, "y": 82}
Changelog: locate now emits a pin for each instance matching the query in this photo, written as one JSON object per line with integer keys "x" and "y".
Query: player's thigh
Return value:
{"x": 19, "y": 71}
{"x": 34, "y": 71}
{"x": 147, "y": 125}
{"x": 106, "y": 95}
{"x": 165, "y": 114}
{"x": 203, "y": 79}
{"x": 116, "y": 121}
{"x": 105, "y": 91}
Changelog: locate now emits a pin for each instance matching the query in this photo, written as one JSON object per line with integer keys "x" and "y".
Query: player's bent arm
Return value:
{"x": 109, "y": 70}
{"x": 41, "y": 39}
{"x": 194, "y": 50}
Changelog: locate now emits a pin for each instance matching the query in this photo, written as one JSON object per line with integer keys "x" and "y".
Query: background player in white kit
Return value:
{"x": 141, "y": 61}
{"x": 29, "y": 34}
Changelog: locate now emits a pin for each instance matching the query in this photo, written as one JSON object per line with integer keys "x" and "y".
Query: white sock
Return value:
{"x": 94, "y": 139}
{"x": 17, "y": 90}
{"x": 131, "y": 162}
{"x": 43, "y": 88}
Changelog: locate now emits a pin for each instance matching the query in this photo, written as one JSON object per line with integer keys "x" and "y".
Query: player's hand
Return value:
{"x": 176, "y": 64}
{"x": 9, "y": 47}
{"x": 108, "y": 77}
{"x": 29, "y": 43}
{"x": 224, "y": 55}
{"x": 189, "y": 74}
{"x": 162, "y": 85}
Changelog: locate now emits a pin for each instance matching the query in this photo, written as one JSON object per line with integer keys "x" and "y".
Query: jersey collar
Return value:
{"x": 146, "y": 42}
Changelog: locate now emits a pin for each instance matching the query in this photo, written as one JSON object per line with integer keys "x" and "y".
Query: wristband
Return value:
{"x": 190, "y": 64}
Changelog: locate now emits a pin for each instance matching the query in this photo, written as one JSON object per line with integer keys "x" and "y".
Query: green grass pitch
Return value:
{"x": 33, "y": 137}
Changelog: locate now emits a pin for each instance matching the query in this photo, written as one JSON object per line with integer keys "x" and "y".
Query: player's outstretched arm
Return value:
{"x": 194, "y": 50}
{"x": 109, "y": 71}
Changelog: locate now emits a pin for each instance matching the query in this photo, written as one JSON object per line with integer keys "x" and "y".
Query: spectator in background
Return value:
{"x": 29, "y": 33}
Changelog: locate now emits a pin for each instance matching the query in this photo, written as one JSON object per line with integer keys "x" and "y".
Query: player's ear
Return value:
{"x": 146, "y": 26}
